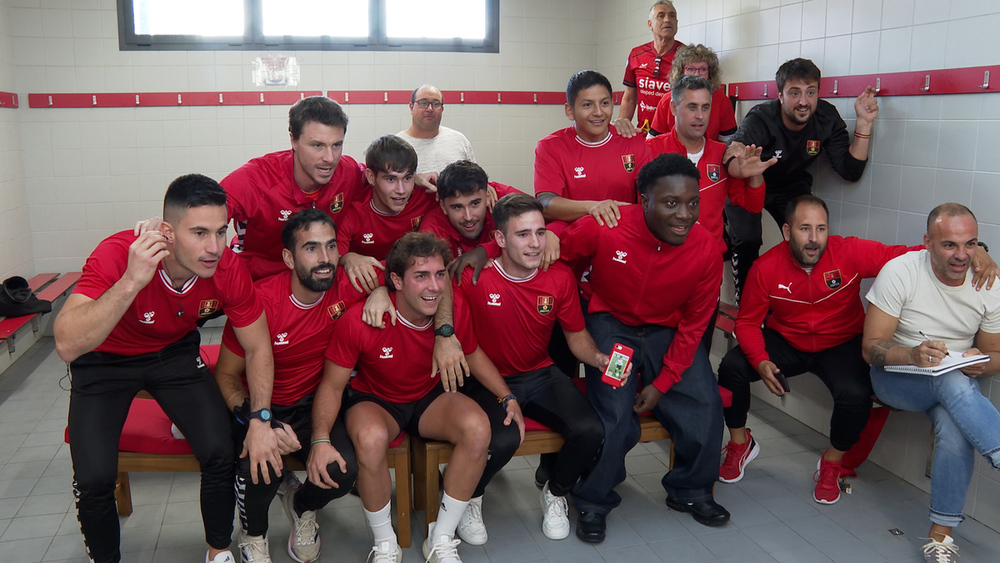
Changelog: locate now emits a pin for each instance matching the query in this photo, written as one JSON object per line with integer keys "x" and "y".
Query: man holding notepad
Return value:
{"x": 923, "y": 309}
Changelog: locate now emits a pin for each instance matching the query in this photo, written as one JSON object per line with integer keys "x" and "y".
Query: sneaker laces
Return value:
{"x": 828, "y": 475}
{"x": 445, "y": 550}
{"x": 254, "y": 549}
{"x": 382, "y": 552}
{"x": 553, "y": 501}
{"x": 732, "y": 450}
{"x": 941, "y": 551}
{"x": 473, "y": 516}
{"x": 306, "y": 528}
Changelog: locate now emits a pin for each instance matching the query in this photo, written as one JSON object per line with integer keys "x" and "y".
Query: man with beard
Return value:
{"x": 437, "y": 146}
{"x": 302, "y": 306}
{"x": 808, "y": 290}
{"x": 924, "y": 308}
{"x": 794, "y": 129}
{"x": 662, "y": 318}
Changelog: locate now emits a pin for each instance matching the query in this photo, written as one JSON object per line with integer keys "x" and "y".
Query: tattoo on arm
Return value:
{"x": 879, "y": 351}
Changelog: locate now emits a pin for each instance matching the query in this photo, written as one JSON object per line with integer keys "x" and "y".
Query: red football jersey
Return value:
{"x": 262, "y": 195}
{"x": 437, "y": 222}
{"x": 160, "y": 314}
{"x": 715, "y": 184}
{"x": 641, "y": 74}
{"x": 370, "y": 232}
{"x": 721, "y": 118}
{"x": 393, "y": 363}
{"x": 572, "y": 168}
{"x": 514, "y": 317}
{"x": 300, "y": 333}
{"x": 641, "y": 280}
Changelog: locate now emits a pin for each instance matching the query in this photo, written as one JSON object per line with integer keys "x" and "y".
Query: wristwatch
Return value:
{"x": 263, "y": 414}
{"x": 504, "y": 400}
{"x": 445, "y": 330}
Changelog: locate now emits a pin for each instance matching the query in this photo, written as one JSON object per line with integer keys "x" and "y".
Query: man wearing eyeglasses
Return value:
{"x": 436, "y": 146}
{"x": 647, "y": 70}
{"x": 794, "y": 129}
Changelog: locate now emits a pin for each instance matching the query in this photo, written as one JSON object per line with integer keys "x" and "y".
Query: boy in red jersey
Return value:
{"x": 131, "y": 324}
{"x": 588, "y": 169}
{"x": 302, "y": 306}
{"x": 393, "y": 391}
{"x": 393, "y": 208}
{"x": 515, "y": 307}
{"x": 654, "y": 284}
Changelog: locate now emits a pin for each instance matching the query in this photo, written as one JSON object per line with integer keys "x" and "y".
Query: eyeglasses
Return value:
{"x": 700, "y": 70}
{"x": 424, "y": 104}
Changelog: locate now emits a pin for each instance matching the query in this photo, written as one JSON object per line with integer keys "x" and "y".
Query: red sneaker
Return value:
{"x": 827, "y": 479}
{"x": 737, "y": 458}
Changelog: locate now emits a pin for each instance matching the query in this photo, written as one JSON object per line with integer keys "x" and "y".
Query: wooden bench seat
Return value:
{"x": 48, "y": 287}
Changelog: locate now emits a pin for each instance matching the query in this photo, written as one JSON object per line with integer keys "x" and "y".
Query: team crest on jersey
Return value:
{"x": 545, "y": 304}
{"x": 337, "y": 204}
{"x": 832, "y": 279}
{"x": 415, "y": 223}
{"x": 714, "y": 172}
{"x": 628, "y": 161}
{"x": 207, "y": 307}
{"x": 336, "y": 310}
{"x": 812, "y": 148}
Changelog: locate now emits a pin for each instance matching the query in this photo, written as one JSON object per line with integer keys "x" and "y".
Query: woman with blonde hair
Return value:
{"x": 701, "y": 61}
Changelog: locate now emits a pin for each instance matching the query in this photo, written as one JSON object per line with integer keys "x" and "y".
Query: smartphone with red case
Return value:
{"x": 621, "y": 357}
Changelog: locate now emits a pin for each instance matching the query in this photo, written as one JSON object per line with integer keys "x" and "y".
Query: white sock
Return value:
{"x": 448, "y": 517}
{"x": 381, "y": 524}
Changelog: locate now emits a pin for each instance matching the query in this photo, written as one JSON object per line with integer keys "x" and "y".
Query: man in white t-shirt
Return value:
{"x": 436, "y": 146}
{"x": 923, "y": 307}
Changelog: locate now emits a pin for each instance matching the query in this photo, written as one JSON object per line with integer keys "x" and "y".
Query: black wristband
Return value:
{"x": 726, "y": 163}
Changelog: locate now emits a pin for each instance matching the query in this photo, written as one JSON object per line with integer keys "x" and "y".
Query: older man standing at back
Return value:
{"x": 647, "y": 70}
{"x": 436, "y": 146}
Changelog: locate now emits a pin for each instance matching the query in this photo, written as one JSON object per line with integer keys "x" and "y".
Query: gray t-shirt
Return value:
{"x": 437, "y": 152}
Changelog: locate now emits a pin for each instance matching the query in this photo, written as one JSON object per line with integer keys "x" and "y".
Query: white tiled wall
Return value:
{"x": 89, "y": 172}
{"x": 15, "y": 232}
{"x": 925, "y": 150}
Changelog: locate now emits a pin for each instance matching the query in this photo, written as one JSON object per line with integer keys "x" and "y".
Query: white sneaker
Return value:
{"x": 384, "y": 552}
{"x": 304, "y": 543}
{"x": 555, "y": 515}
{"x": 254, "y": 549}
{"x": 940, "y": 551}
{"x": 471, "y": 527}
{"x": 222, "y": 557}
{"x": 444, "y": 549}
{"x": 289, "y": 483}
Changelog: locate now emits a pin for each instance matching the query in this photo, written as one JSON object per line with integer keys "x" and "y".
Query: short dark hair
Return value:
{"x": 315, "y": 108}
{"x": 413, "y": 94}
{"x": 301, "y": 221}
{"x": 583, "y": 80}
{"x": 192, "y": 190}
{"x": 948, "y": 210}
{"x": 802, "y": 69}
{"x": 513, "y": 205}
{"x": 390, "y": 153}
{"x": 667, "y": 164}
{"x": 687, "y": 82}
{"x": 806, "y": 199}
{"x": 462, "y": 177}
{"x": 410, "y": 246}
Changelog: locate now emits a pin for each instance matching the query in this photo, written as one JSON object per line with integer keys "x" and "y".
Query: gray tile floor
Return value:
{"x": 774, "y": 517}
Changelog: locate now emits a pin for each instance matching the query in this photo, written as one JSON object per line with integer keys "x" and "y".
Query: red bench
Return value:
{"x": 48, "y": 287}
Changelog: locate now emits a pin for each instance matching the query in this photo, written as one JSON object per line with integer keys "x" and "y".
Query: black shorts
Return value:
{"x": 406, "y": 415}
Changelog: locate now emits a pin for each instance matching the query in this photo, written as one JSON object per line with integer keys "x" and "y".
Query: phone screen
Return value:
{"x": 617, "y": 365}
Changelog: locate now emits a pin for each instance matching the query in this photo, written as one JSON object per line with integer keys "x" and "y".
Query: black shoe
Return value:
{"x": 545, "y": 464}
{"x": 591, "y": 527}
{"x": 707, "y": 512}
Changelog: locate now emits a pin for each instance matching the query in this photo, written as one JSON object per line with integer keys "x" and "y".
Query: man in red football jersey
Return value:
{"x": 131, "y": 324}
{"x": 393, "y": 392}
{"x": 647, "y": 70}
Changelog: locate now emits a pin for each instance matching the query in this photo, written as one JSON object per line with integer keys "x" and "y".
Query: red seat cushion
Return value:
{"x": 147, "y": 430}
{"x": 399, "y": 440}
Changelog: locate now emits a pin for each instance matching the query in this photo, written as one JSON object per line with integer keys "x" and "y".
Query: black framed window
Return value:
{"x": 366, "y": 25}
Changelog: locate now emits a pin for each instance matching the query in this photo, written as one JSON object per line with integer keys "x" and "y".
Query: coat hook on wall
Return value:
{"x": 836, "y": 87}
{"x": 878, "y": 85}
{"x": 927, "y": 83}
{"x": 986, "y": 80}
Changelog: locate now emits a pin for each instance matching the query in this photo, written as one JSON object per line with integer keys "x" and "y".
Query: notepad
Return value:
{"x": 953, "y": 361}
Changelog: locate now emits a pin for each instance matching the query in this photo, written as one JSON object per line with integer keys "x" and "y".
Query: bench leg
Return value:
{"x": 123, "y": 494}
{"x": 419, "y": 452}
{"x": 432, "y": 486}
{"x": 404, "y": 502}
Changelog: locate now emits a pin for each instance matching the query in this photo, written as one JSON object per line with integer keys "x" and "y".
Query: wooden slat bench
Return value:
{"x": 48, "y": 287}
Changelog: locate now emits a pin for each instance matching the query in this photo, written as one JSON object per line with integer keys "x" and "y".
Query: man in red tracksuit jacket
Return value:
{"x": 810, "y": 284}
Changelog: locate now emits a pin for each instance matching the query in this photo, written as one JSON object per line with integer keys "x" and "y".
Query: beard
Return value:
{"x": 313, "y": 284}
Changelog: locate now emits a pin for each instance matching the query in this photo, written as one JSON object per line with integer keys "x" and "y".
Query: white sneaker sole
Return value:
{"x": 754, "y": 452}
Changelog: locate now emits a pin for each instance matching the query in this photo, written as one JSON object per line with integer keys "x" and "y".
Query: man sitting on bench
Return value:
{"x": 131, "y": 324}
{"x": 515, "y": 307}
{"x": 396, "y": 390}
{"x": 302, "y": 305}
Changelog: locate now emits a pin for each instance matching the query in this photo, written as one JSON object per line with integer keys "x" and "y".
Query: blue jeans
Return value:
{"x": 965, "y": 422}
{"x": 691, "y": 410}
